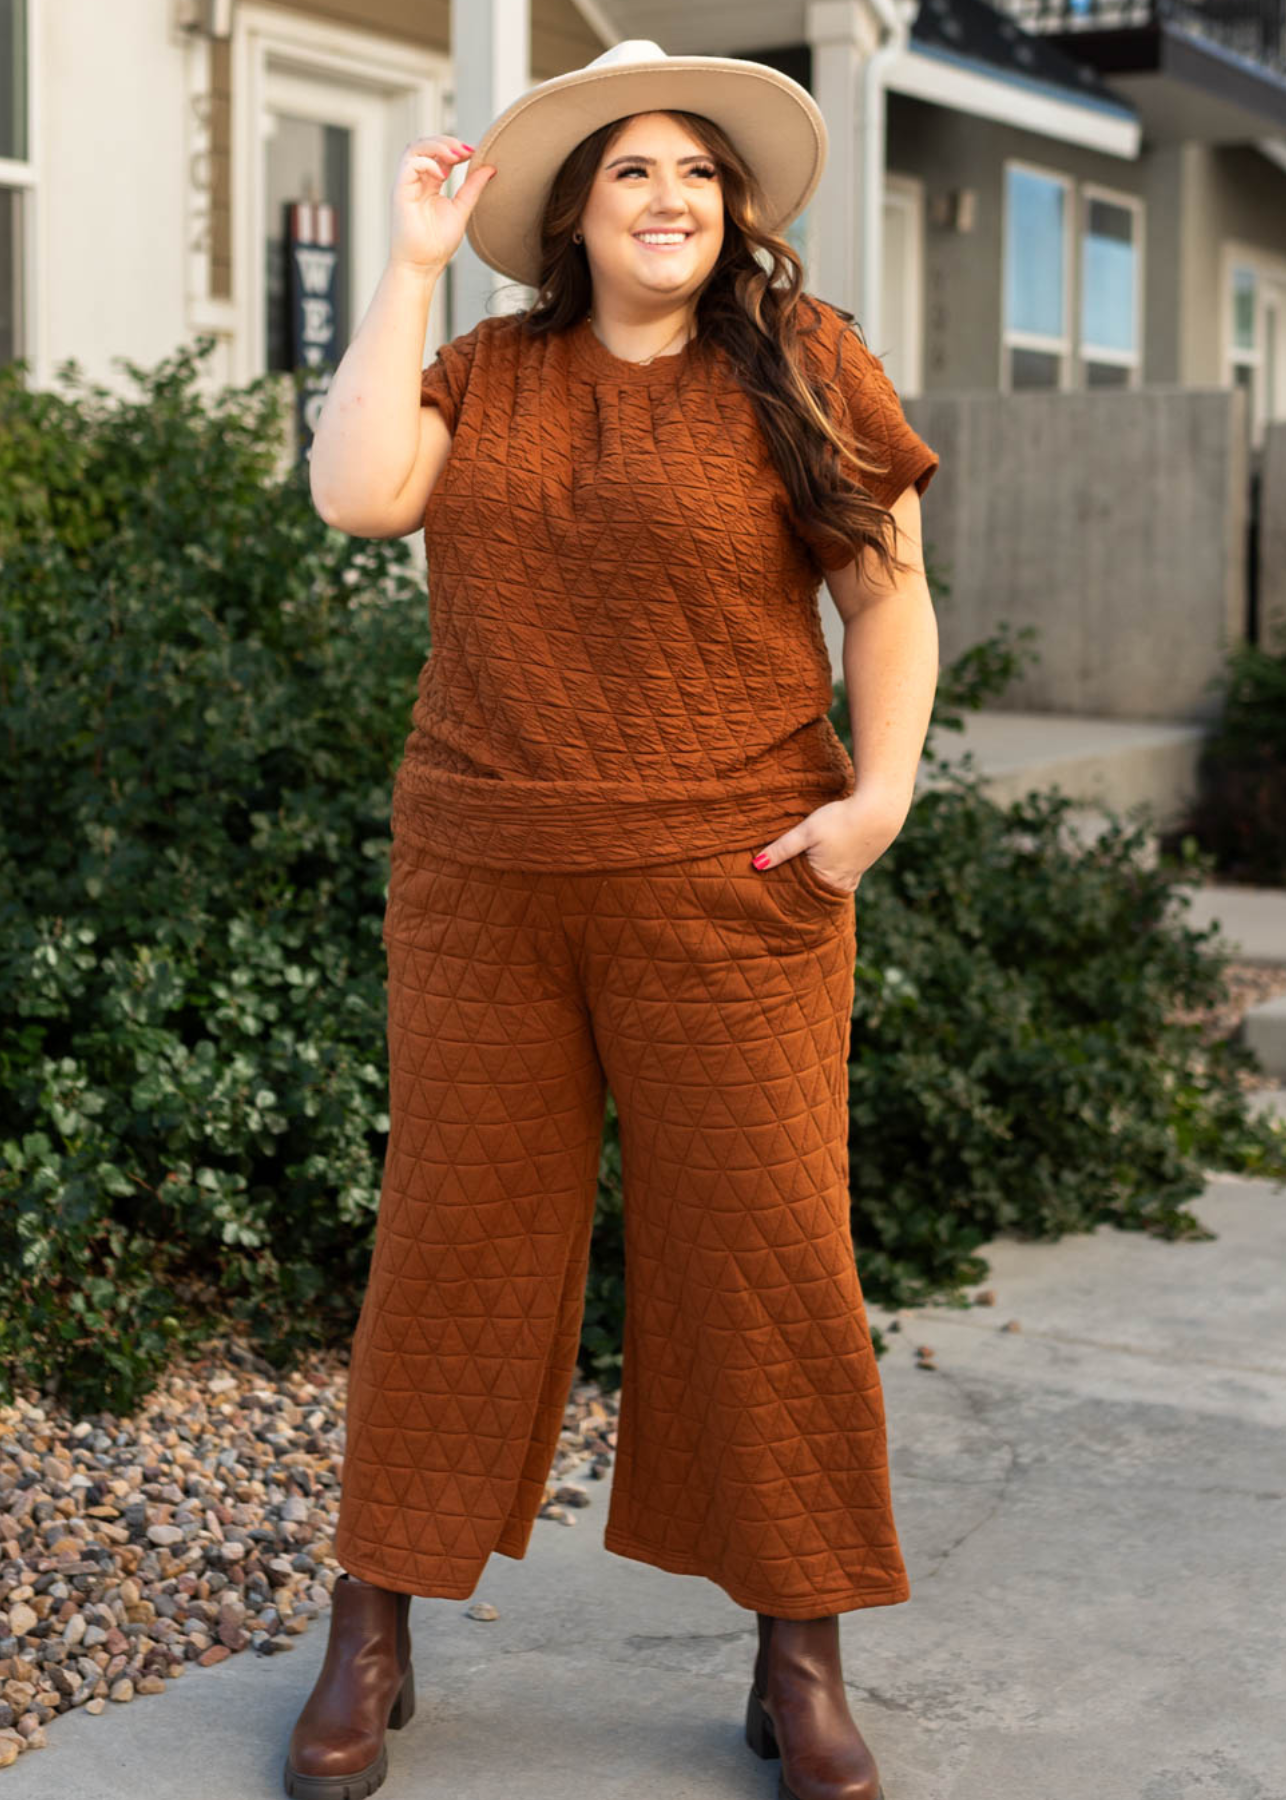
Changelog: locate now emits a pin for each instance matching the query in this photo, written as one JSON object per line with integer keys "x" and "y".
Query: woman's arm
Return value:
{"x": 376, "y": 452}
{"x": 890, "y": 675}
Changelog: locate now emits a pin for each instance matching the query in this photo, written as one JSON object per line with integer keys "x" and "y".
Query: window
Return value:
{"x": 1243, "y": 308}
{"x": 1048, "y": 309}
{"x": 1036, "y": 337}
{"x": 1110, "y": 289}
{"x": 1255, "y": 333}
{"x": 16, "y": 179}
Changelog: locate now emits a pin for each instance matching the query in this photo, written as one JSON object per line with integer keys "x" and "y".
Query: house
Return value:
{"x": 1066, "y": 193}
{"x": 1061, "y": 223}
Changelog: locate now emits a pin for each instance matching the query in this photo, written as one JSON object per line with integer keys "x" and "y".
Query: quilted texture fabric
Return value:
{"x": 715, "y": 1002}
{"x": 627, "y": 655}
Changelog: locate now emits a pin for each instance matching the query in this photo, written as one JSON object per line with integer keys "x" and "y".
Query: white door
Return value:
{"x": 902, "y": 295}
{"x": 320, "y": 112}
{"x": 321, "y": 141}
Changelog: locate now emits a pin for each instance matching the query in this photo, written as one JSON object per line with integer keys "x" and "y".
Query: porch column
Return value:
{"x": 491, "y": 58}
{"x": 851, "y": 40}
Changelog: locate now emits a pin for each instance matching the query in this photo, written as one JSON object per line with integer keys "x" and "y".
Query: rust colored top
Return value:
{"x": 627, "y": 660}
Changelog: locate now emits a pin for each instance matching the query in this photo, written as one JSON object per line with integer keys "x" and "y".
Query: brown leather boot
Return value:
{"x": 365, "y": 1685}
{"x": 798, "y": 1710}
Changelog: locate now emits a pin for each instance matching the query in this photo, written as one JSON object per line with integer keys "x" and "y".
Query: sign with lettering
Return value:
{"x": 314, "y": 270}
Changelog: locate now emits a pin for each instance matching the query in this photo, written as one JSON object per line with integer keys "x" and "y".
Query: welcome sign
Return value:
{"x": 314, "y": 346}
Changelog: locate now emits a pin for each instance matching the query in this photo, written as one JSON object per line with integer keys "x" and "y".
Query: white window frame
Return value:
{"x": 1269, "y": 272}
{"x": 1010, "y": 339}
{"x": 22, "y": 174}
{"x": 1087, "y": 352}
{"x": 414, "y": 84}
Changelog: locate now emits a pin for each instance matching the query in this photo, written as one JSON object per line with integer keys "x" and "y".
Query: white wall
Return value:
{"x": 111, "y": 156}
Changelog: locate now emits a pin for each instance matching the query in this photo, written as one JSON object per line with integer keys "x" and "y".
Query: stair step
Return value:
{"x": 1251, "y": 920}
{"x": 1113, "y": 764}
{"x": 1264, "y": 1030}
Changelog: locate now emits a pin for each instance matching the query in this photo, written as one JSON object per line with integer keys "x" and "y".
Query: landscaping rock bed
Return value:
{"x": 1245, "y": 985}
{"x": 133, "y": 1550}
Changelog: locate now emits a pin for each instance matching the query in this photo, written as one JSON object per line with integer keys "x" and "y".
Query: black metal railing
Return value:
{"x": 1255, "y": 29}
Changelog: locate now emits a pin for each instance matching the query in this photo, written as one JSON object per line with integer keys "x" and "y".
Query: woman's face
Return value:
{"x": 655, "y": 179}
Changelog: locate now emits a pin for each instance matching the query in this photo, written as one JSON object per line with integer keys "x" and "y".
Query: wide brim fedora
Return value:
{"x": 773, "y": 122}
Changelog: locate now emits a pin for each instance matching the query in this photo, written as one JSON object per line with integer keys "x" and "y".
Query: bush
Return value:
{"x": 1018, "y": 1063}
{"x": 1239, "y": 815}
{"x": 205, "y": 691}
{"x": 204, "y": 696}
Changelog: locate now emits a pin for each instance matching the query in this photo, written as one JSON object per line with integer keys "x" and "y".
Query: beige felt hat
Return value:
{"x": 774, "y": 123}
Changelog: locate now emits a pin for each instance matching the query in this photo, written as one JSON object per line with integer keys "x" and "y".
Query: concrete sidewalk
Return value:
{"x": 1093, "y": 1515}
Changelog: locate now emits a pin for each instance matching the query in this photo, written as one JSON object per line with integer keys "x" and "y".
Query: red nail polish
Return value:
{"x": 760, "y": 861}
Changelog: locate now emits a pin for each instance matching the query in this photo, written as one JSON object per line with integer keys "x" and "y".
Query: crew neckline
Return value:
{"x": 596, "y": 357}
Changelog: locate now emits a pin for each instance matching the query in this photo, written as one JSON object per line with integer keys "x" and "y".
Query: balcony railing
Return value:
{"x": 1255, "y": 29}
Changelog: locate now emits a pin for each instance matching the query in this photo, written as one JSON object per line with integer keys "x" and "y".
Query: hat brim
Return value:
{"x": 773, "y": 122}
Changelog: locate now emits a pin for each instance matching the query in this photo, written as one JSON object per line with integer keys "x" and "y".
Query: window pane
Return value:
{"x": 1109, "y": 274}
{"x": 13, "y": 79}
{"x": 11, "y": 345}
{"x": 796, "y": 235}
{"x": 306, "y": 160}
{"x": 1033, "y": 369}
{"x": 1106, "y": 375}
{"x": 1243, "y": 309}
{"x": 1034, "y": 253}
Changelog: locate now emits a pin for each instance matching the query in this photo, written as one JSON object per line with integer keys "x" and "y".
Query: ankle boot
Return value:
{"x": 365, "y": 1685}
{"x": 798, "y": 1710}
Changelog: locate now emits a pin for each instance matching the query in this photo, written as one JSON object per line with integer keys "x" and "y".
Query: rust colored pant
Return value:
{"x": 715, "y": 1002}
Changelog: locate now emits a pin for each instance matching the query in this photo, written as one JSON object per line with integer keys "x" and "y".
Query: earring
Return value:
{"x": 578, "y": 237}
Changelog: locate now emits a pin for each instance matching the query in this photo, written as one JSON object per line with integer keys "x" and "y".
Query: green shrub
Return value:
{"x": 1017, "y": 1064}
{"x": 1239, "y": 815}
{"x": 204, "y": 693}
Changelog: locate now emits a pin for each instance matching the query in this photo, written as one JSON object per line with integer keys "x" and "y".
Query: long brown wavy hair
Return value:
{"x": 753, "y": 313}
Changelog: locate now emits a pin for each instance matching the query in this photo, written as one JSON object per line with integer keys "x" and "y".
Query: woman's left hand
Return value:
{"x": 841, "y": 839}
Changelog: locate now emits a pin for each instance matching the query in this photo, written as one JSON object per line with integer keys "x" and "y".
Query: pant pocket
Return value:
{"x": 808, "y": 878}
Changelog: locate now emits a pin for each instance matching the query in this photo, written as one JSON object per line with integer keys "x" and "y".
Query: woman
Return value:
{"x": 629, "y": 495}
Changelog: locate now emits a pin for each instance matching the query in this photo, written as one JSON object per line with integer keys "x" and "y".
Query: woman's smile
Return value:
{"x": 662, "y": 240}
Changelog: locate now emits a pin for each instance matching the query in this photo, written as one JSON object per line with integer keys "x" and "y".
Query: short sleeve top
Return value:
{"x": 627, "y": 660}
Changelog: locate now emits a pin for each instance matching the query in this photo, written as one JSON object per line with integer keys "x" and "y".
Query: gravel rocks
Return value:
{"x": 1245, "y": 984}
{"x": 201, "y": 1527}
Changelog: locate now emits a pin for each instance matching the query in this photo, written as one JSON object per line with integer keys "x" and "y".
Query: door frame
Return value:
{"x": 276, "y": 53}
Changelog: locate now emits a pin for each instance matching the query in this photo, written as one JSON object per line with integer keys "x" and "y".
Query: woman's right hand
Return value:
{"x": 427, "y": 225}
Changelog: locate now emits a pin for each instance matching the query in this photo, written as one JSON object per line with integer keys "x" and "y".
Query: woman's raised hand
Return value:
{"x": 427, "y": 225}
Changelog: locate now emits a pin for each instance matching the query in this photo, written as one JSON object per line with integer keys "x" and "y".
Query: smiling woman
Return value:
{"x": 630, "y": 493}
{"x": 652, "y": 228}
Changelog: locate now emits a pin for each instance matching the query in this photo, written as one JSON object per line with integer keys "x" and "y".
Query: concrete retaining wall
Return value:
{"x": 1115, "y": 522}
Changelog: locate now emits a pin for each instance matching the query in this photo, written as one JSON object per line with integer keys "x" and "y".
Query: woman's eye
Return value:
{"x": 698, "y": 169}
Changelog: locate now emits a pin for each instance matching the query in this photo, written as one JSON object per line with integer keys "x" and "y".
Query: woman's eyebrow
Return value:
{"x": 702, "y": 156}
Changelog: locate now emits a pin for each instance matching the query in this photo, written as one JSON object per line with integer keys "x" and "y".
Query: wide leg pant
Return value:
{"x": 715, "y": 1002}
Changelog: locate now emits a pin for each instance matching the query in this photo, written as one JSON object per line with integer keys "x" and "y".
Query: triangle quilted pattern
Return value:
{"x": 627, "y": 647}
{"x": 715, "y": 1003}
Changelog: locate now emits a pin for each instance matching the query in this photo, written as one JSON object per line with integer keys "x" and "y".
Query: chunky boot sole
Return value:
{"x": 763, "y": 1741}
{"x": 363, "y": 1781}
